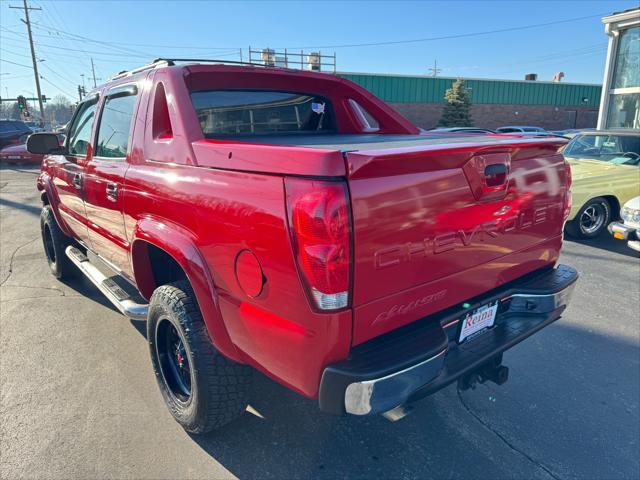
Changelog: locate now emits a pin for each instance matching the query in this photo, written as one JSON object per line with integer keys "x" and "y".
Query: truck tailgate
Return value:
{"x": 436, "y": 225}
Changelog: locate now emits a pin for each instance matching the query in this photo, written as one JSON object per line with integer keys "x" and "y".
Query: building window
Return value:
{"x": 623, "y": 102}
{"x": 626, "y": 73}
{"x": 624, "y": 110}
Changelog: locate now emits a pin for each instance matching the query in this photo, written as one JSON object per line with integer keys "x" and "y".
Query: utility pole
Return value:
{"x": 93, "y": 70}
{"x": 27, "y": 22}
{"x": 434, "y": 71}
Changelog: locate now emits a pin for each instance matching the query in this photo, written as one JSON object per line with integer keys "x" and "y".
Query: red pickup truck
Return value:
{"x": 291, "y": 222}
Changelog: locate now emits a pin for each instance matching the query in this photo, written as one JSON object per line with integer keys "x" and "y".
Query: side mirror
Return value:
{"x": 44, "y": 144}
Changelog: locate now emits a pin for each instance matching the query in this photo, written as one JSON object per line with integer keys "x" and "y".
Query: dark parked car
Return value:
{"x": 13, "y": 132}
{"x": 520, "y": 129}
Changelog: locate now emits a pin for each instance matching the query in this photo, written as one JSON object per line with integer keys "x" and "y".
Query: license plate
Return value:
{"x": 13, "y": 157}
{"x": 477, "y": 321}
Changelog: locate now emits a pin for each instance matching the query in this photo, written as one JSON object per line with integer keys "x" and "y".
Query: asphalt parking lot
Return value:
{"x": 78, "y": 398}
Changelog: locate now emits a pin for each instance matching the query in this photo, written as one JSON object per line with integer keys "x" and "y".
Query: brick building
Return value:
{"x": 551, "y": 105}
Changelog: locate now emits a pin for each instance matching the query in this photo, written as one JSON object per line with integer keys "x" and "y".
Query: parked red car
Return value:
{"x": 18, "y": 154}
{"x": 258, "y": 218}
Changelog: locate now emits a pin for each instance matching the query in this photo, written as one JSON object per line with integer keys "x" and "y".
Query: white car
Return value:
{"x": 629, "y": 229}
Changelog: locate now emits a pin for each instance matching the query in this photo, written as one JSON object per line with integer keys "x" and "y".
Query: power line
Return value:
{"x": 141, "y": 44}
{"x": 57, "y": 87}
{"x": 79, "y": 58}
{"x": 109, "y": 54}
{"x": 448, "y": 37}
{"x": 87, "y": 51}
{"x": 14, "y": 63}
{"x": 57, "y": 52}
{"x": 54, "y": 10}
{"x": 61, "y": 77}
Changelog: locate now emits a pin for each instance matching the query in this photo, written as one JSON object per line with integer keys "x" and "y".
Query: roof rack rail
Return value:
{"x": 172, "y": 61}
{"x": 154, "y": 64}
{"x": 169, "y": 62}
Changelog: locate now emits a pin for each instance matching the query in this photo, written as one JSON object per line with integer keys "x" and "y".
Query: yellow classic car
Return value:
{"x": 605, "y": 170}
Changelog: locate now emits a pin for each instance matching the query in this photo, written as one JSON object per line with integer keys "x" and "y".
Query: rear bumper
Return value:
{"x": 423, "y": 357}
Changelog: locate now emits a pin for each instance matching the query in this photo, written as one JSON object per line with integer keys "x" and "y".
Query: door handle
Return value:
{"x": 77, "y": 181}
{"x": 495, "y": 174}
{"x": 112, "y": 191}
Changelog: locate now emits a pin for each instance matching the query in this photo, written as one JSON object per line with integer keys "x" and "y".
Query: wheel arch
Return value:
{"x": 49, "y": 197}
{"x": 613, "y": 201}
{"x": 153, "y": 237}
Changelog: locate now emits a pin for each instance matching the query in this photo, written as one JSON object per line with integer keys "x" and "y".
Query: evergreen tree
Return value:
{"x": 457, "y": 105}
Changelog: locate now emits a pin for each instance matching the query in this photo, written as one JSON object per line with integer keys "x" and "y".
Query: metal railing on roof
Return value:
{"x": 314, "y": 61}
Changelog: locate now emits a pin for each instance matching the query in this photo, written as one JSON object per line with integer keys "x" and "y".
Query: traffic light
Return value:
{"x": 22, "y": 102}
{"x": 44, "y": 98}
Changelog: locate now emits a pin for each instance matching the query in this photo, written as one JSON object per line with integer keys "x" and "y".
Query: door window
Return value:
{"x": 80, "y": 131}
{"x": 115, "y": 124}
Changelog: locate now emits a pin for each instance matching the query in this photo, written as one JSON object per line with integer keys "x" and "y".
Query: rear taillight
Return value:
{"x": 567, "y": 192}
{"x": 319, "y": 223}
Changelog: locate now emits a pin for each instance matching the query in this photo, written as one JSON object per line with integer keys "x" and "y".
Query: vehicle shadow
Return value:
{"x": 30, "y": 209}
{"x": 535, "y": 424}
{"x": 32, "y": 169}
{"x": 83, "y": 286}
{"x": 605, "y": 241}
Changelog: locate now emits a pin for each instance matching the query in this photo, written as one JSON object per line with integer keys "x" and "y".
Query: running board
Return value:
{"x": 116, "y": 295}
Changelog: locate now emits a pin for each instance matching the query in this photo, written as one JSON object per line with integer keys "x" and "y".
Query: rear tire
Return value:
{"x": 591, "y": 220}
{"x": 202, "y": 389}
{"x": 55, "y": 242}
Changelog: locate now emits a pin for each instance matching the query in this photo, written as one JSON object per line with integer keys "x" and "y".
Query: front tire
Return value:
{"x": 55, "y": 242}
{"x": 202, "y": 389}
{"x": 591, "y": 220}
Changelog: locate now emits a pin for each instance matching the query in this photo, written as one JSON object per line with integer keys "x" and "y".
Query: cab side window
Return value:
{"x": 80, "y": 131}
{"x": 115, "y": 124}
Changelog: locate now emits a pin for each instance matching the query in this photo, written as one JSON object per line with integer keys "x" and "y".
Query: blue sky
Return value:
{"x": 121, "y": 35}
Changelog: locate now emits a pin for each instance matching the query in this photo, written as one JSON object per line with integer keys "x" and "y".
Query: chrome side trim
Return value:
{"x": 127, "y": 307}
{"x": 372, "y": 395}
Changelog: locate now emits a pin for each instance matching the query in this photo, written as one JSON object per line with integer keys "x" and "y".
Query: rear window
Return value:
{"x": 261, "y": 112}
